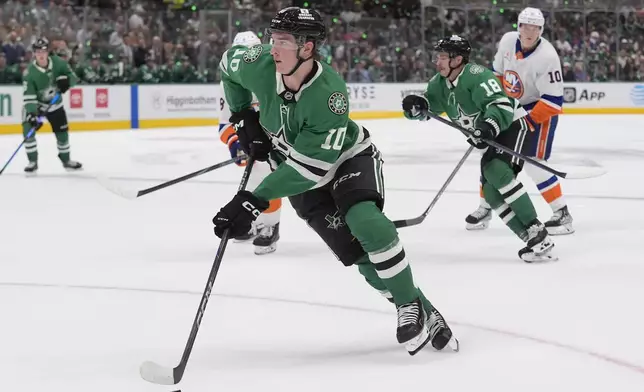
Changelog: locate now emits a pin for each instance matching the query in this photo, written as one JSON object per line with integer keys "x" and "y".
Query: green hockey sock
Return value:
{"x": 31, "y": 147}
{"x": 378, "y": 237}
{"x": 500, "y": 176}
{"x": 62, "y": 141}
{"x": 503, "y": 210}
{"x": 368, "y": 270}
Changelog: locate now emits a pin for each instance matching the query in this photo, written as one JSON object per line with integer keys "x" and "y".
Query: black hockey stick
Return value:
{"x": 419, "y": 219}
{"x": 133, "y": 194}
{"x": 158, "y": 374}
{"x": 518, "y": 155}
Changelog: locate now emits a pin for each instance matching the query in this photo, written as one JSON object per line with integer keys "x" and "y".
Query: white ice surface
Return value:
{"x": 92, "y": 285}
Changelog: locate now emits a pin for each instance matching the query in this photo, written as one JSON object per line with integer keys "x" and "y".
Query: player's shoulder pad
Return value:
{"x": 478, "y": 70}
{"x": 548, "y": 50}
{"x": 240, "y": 54}
{"x": 328, "y": 89}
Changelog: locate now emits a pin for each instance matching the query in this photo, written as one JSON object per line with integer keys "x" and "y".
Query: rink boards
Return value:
{"x": 105, "y": 107}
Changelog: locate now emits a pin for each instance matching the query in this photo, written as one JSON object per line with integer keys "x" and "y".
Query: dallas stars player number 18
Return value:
{"x": 471, "y": 96}
{"x": 323, "y": 161}
{"x": 42, "y": 79}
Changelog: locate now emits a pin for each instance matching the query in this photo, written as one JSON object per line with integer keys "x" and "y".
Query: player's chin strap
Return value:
{"x": 451, "y": 69}
{"x": 300, "y": 61}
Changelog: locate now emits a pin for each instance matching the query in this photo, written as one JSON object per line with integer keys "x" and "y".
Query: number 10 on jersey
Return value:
{"x": 335, "y": 143}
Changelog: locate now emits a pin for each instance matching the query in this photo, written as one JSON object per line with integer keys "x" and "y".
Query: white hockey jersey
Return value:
{"x": 225, "y": 127}
{"x": 534, "y": 78}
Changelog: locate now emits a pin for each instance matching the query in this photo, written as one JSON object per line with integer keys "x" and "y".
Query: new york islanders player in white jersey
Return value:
{"x": 530, "y": 71}
{"x": 265, "y": 230}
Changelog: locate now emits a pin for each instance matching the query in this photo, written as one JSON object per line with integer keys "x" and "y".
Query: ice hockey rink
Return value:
{"x": 92, "y": 285}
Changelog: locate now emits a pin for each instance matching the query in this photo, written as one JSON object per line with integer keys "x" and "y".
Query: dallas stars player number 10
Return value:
{"x": 323, "y": 162}
{"x": 42, "y": 79}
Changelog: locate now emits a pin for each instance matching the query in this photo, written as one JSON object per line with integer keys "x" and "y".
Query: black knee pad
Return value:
{"x": 318, "y": 209}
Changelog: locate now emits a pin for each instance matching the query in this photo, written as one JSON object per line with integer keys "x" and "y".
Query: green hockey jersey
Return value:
{"x": 474, "y": 96}
{"x": 39, "y": 84}
{"x": 310, "y": 129}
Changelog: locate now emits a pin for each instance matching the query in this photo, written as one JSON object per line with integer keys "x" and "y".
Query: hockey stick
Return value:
{"x": 132, "y": 194}
{"x": 419, "y": 219}
{"x": 157, "y": 374}
{"x": 31, "y": 132}
{"x": 518, "y": 155}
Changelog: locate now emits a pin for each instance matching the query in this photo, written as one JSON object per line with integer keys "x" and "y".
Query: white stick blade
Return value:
{"x": 112, "y": 187}
{"x": 157, "y": 374}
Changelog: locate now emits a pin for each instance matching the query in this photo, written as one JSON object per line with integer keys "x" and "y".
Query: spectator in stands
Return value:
{"x": 13, "y": 49}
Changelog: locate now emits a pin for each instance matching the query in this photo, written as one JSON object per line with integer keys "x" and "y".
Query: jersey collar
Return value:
{"x": 453, "y": 84}
{"x": 290, "y": 95}
{"x": 521, "y": 54}
{"x": 41, "y": 69}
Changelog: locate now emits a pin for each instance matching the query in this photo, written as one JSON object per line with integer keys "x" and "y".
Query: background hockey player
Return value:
{"x": 324, "y": 162}
{"x": 265, "y": 231}
{"x": 530, "y": 70}
{"x": 42, "y": 79}
{"x": 472, "y": 97}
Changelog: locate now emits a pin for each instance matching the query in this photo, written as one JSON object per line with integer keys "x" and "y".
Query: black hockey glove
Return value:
{"x": 32, "y": 120}
{"x": 486, "y": 130}
{"x": 62, "y": 82}
{"x": 415, "y": 107}
{"x": 252, "y": 137}
{"x": 239, "y": 214}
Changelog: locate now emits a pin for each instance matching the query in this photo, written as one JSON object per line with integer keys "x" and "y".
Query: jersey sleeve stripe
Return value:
{"x": 542, "y": 112}
{"x": 225, "y": 132}
{"x": 223, "y": 64}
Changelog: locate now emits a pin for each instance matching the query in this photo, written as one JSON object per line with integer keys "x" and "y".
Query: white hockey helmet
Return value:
{"x": 246, "y": 38}
{"x": 531, "y": 16}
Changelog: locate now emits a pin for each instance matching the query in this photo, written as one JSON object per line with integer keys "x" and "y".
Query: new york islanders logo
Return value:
{"x": 512, "y": 84}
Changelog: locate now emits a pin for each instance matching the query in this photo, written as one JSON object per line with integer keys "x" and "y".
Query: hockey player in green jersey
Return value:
{"x": 42, "y": 79}
{"x": 472, "y": 97}
{"x": 324, "y": 162}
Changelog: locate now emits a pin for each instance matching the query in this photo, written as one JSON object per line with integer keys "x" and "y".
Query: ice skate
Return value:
{"x": 560, "y": 223}
{"x": 479, "y": 219}
{"x": 252, "y": 233}
{"x": 266, "y": 240}
{"x": 440, "y": 333}
{"x": 31, "y": 169}
{"x": 412, "y": 328}
{"x": 538, "y": 245}
{"x": 72, "y": 165}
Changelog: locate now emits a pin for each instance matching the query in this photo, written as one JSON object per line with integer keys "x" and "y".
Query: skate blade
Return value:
{"x": 72, "y": 170}
{"x": 454, "y": 344}
{"x": 264, "y": 250}
{"x": 477, "y": 226}
{"x": 539, "y": 258}
{"x": 560, "y": 230}
{"x": 31, "y": 174}
{"x": 416, "y": 344}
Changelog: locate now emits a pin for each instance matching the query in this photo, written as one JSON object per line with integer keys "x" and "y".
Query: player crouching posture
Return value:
{"x": 41, "y": 79}
{"x": 471, "y": 96}
{"x": 324, "y": 162}
{"x": 265, "y": 231}
{"x": 530, "y": 70}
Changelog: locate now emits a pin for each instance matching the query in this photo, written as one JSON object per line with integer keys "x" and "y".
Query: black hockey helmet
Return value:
{"x": 41, "y": 44}
{"x": 304, "y": 24}
{"x": 455, "y": 45}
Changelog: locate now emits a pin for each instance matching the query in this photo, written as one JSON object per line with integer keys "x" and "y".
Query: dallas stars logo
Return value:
{"x": 466, "y": 120}
{"x": 335, "y": 221}
{"x": 253, "y": 53}
{"x": 338, "y": 103}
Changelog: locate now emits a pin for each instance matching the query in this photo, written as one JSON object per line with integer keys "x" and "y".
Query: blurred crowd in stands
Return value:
{"x": 369, "y": 41}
